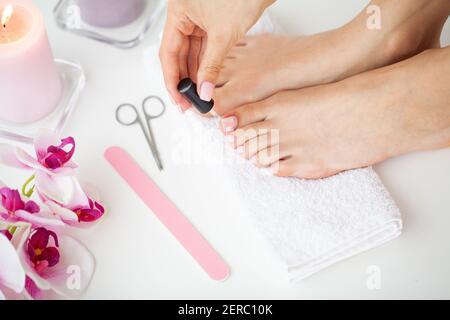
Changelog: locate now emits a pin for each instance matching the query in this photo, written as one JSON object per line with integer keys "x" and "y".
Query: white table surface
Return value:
{"x": 137, "y": 258}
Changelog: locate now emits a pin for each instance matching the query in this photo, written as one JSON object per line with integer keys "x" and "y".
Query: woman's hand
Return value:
{"x": 197, "y": 37}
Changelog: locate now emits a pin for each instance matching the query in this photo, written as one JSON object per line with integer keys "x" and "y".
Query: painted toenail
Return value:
{"x": 206, "y": 91}
{"x": 229, "y": 124}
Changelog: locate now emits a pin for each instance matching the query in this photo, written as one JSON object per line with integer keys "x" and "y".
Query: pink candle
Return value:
{"x": 30, "y": 86}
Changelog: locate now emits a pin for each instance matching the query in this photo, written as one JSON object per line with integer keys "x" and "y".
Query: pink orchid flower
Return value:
{"x": 53, "y": 155}
{"x": 52, "y": 167}
{"x": 12, "y": 274}
{"x": 48, "y": 261}
{"x": 41, "y": 254}
{"x": 84, "y": 213}
{"x": 54, "y": 177}
{"x": 13, "y": 208}
{"x": 51, "y": 260}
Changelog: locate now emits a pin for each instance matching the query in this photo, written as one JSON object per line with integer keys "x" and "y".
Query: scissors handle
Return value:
{"x": 120, "y": 114}
{"x": 145, "y": 127}
{"x": 148, "y": 114}
{"x": 148, "y": 117}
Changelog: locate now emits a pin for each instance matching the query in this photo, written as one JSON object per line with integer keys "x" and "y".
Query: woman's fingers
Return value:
{"x": 174, "y": 46}
{"x": 183, "y": 59}
{"x": 217, "y": 47}
{"x": 193, "y": 24}
{"x": 168, "y": 55}
{"x": 194, "y": 56}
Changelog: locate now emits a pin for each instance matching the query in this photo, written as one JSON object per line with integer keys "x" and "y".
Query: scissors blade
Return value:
{"x": 153, "y": 146}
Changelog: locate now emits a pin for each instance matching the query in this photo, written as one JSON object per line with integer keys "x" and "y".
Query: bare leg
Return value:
{"x": 353, "y": 123}
{"x": 264, "y": 65}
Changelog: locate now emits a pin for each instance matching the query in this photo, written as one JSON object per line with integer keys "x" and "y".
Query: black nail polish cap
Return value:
{"x": 188, "y": 89}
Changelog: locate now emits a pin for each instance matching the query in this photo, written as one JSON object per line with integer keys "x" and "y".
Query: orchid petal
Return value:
{"x": 19, "y": 240}
{"x": 62, "y": 189}
{"x": 47, "y": 186}
{"x": 91, "y": 191}
{"x": 71, "y": 164}
{"x": 32, "y": 289}
{"x": 11, "y": 199}
{"x": 21, "y": 232}
{"x": 44, "y": 139}
{"x": 64, "y": 171}
{"x": 57, "y": 156}
{"x": 64, "y": 213}
{"x": 79, "y": 197}
{"x": 51, "y": 255}
{"x": 12, "y": 274}
{"x": 8, "y": 157}
{"x": 89, "y": 215}
{"x": 37, "y": 219}
{"x": 31, "y": 207}
{"x": 40, "y": 282}
{"x": 71, "y": 276}
{"x": 28, "y": 160}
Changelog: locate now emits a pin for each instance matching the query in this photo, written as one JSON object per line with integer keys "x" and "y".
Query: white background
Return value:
{"x": 138, "y": 258}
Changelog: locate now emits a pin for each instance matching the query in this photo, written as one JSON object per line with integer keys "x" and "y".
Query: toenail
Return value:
{"x": 206, "y": 91}
{"x": 229, "y": 124}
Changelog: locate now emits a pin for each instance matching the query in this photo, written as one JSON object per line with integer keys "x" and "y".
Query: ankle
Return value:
{"x": 404, "y": 31}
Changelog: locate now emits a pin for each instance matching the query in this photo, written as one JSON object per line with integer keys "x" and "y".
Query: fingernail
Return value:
{"x": 206, "y": 91}
{"x": 229, "y": 124}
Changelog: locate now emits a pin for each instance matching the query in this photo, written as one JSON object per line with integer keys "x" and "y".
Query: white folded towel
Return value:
{"x": 310, "y": 224}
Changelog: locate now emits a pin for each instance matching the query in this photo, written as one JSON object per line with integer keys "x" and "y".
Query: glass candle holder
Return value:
{"x": 121, "y": 23}
{"x": 72, "y": 82}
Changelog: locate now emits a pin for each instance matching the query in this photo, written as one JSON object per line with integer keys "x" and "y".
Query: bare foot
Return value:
{"x": 263, "y": 65}
{"x": 320, "y": 131}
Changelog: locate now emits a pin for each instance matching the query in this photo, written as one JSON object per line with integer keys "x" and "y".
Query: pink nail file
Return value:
{"x": 168, "y": 214}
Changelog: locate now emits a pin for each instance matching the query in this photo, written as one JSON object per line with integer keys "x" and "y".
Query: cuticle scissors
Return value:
{"x": 137, "y": 119}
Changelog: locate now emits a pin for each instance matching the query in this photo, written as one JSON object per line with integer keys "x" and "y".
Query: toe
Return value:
{"x": 253, "y": 131}
{"x": 241, "y": 118}
{"x": 267, "y": 138}
{"x": 267, "y": 157}
{"x": 293, "y": 167}
{"x": 250, "y": 113}
{"x": 224, "y": 77}
{"x": 223, "y": 97}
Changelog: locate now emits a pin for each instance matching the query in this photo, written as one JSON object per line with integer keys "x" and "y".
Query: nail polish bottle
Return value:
{"x": 188, "y": 89}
